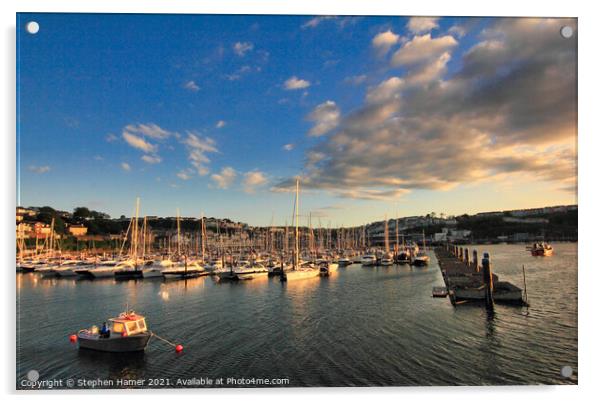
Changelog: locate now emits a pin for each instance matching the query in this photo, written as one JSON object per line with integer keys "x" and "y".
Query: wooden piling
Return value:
{"x": 475, "y": 260}
{"x": 466, "y": 257}
{"x": 488, "y": 281}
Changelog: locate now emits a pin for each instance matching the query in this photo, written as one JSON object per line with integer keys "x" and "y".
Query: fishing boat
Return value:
{"x": 126, "y": 333}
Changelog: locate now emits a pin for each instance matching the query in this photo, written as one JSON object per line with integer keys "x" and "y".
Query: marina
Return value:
{"x": 314, "y": 331}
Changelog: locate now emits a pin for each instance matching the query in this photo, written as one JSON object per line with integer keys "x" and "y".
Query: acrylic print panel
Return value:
{"x": 281, "y": 201}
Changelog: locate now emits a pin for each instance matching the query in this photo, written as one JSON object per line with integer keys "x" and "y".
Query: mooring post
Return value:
{"x": 466, "y": 257}
{"x": 475, "y": 260}
{"x": 488, "y": 281}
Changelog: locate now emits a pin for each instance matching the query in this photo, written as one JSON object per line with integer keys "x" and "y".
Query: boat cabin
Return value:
{"x": 128, "y": 324}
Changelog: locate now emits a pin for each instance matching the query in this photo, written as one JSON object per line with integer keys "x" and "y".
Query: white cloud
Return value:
{"x": 295, "y": 83}
{"x": 252, "y": 180}
{"x": 325, "y": 117}
{"x": 185, "y": 174}
{"x": 513, "y": 94}
{"x": 356, "y": 80}
{"x": 457, "y": 30}
{"x": 139, "y": 142}
{"x": 288, "y": 147}
{"x": 314, "y": 22}
{"x": 192, "y": 86}
{"x": 419, "y": 25}
{"x": 384, "y": 41}
{"x": 385, "y": 91}
{"x": 125, "y": 166}
{"x": 39, "y": 169}
{"x": 220, "y": 124}
{"x": 422, "y": 49}
{"x": 198, "y": 147}
{"x": 111, "y": 138}
{"x": 224, "y": 179}
{"x": 149, "y": 130}
{"x": 241, "y": 48}
{"x": 151, "y": 159}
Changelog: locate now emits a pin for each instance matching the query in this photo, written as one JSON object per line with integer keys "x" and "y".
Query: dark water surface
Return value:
{"x": 360, "y": 327}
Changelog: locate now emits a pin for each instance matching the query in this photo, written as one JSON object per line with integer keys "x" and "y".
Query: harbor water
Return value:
{"x": 362, "y": 326}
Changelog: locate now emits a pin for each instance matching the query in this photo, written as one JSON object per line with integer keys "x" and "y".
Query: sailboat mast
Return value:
{"x": 135, "y": 232}
{"x": 386, "y": 234}
{"x": 178, "y": 225}
{"x": 297, "y": 225}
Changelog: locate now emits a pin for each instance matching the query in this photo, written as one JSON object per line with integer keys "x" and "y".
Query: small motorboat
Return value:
{"x": 125, "y": 333}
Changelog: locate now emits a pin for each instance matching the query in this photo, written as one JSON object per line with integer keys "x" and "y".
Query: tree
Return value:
{"x": 81, "y": 212}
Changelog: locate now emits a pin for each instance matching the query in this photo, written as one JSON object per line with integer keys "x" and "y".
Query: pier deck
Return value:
{"x": 465, "y": 281}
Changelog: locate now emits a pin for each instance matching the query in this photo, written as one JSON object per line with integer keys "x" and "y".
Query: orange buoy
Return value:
{"x": 73, "y": 338}
{"x": 179, "y": 348}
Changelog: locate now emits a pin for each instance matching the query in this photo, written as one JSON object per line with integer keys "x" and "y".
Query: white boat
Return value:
{"x": 386, "y": 260}
{"x": 183, "y": 270}
{"x": 421, "y": 259}
{"x": 344, "y": 261}
{"x": 368, "y": 260}
{"x": 86, "y": 271}
{"x": 109, "y": 270}
{"x": 69, "y": 267}
{"x": 303, "y": 272}
{"x": 155, "y": 269}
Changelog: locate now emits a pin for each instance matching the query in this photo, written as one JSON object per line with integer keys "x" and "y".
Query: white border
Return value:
{"x": 590, "y": 154}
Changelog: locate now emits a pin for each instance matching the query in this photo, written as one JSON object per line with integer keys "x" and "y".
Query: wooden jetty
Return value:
{"x": 467, "y": 280}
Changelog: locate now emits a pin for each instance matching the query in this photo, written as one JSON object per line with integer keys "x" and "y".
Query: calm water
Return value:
{"x": 360, "y": 327}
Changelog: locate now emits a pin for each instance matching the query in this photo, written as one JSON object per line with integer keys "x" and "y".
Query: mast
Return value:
{"x": 396, "y": 235}
{"x": 386, "y": 234}
{"x": 296, "y": 262}
{"x": 203, "y": 236}
{"x": 178, "y": 225}
{"x": 135, "y": 233}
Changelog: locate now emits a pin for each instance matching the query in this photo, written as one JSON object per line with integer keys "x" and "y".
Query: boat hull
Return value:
{"x": 133, "y": 343}
{"x": 294, "y": 275}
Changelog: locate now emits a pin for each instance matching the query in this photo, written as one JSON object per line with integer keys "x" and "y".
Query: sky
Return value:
{"x": 218, "y": 115}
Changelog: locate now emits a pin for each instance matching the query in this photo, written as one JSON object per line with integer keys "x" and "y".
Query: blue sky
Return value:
{"x": 218, "y": 114}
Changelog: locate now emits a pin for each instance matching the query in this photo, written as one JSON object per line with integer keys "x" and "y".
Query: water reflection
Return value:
{"x": 360, "y": 326}
{"x": 114, "y": 366}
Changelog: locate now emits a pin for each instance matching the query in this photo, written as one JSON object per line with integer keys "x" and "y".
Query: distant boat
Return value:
{"x": 542, "y": 249}
{"x": 344, "y": 261}
{"x": 368, "y": 260}
{"x": 386, "y": 260}
{"x": 421, "y": 258}
{"x": 126, "y": 333}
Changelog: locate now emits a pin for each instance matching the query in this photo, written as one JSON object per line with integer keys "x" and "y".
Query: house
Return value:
{"x": 78, "y": 230}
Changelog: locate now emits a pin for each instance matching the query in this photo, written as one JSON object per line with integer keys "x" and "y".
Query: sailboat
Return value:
{"x": 386, "y": 259}
{"x": 130, "y": 269}
{"x": 183, "y": 269}
{"x": 299, "y": 270}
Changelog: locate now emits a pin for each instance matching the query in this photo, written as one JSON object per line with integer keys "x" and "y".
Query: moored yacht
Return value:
{"x": 368, "y": 260}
